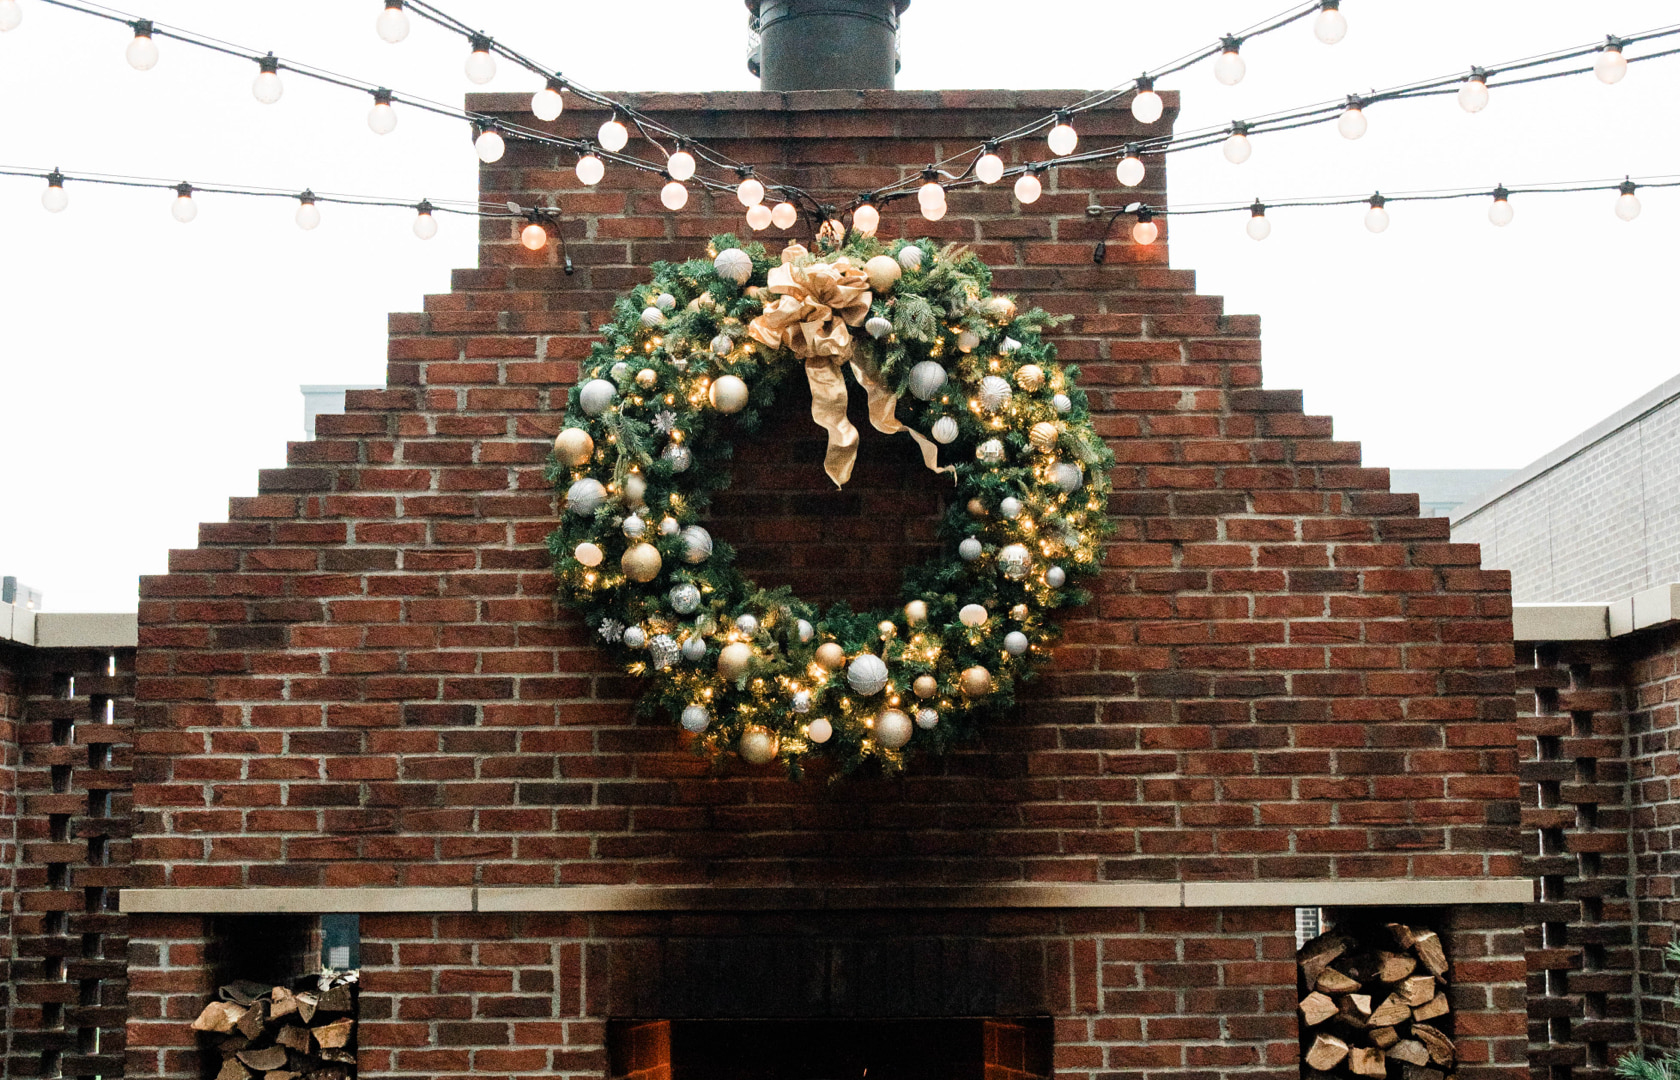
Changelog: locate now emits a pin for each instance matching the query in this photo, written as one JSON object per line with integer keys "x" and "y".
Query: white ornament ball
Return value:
{"x": 867, "y": 674}
{"x": 641, "y": 563}
{"x": 585, "y": 496}
{"x": 748, "y": 624}
{"x": 1015, "y": 643}
{"x": 652, "y": 318}
{"x": 1068, "y": 475}
{"x": 802, "y": 701}
{"x": 944, "y": 430}
{"x": 976, "y": 681}
{"x": 1030, "y": 378}
{"x": 596, "y": 397}
{"x": 1010, "y": 507}
{"x": 927, "y": 379}
{"x": 664, "y": 650}
{"x": 619, "y": 370}
{"x": 1062, "y": 404}
{"x": 634, "y": 526}
{"x": 820, "y": 730}
{"x": 926, "y": 686}
{"x": 679, "y": 456}
{"x": 758, "y": 746}
{"x": 694, "y": 649}
{"x": 722, "y": 344}
{"x": 685, "y": 599}
{"x": 927, "y": 718}
{"x": 994, "y": 393}
{"x": 728, "y": 394}
{"x": 968, "y": 341}
{"x": 806, "y": 630}
{"x": 634, "y": 637}
{"x": 696, "y": 718}
{"x": 910, "y": 258}
{"x": 1044, "y": 436}
{"x": 573, "y": 446}
{"x": 973, "y": 615}
{"x": 969, "y": 549}
{"x": 588, "y": 554}
{"x": 635, "y": 489}
{"x": 1055, "y": 577}
{"x": 698, "y": 542}
{"x": 883, "y": 271}
{"x": 668, "y": 526}
{"x": 733, "y": 264}
{"x": 893, "y": 729}
{"x": 878, "y": 327}
{"x": 665, "y": 301}
{"x": 1014, "y": 561}
{"x": 990, "y": 451}
{"x": 915, "y": 612}
{"x": 1010, "y": 345}
{"x": 734, "y": 659}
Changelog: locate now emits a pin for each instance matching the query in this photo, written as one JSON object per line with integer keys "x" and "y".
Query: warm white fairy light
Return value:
{"x": 680, "y": 165}
{"x": 1610, "y": 65}
{"x": 1028, "y": 187}
{"x": 534, "y": 237}
{"x": 490, "y": 145}
{"x": 1130, "y": 170}
{"x": 1229, "y": 69}
{"x": 783, "y": 215}
{"x": 1145, "y": 231}
{"x": 590, "y": 169}
{"x": 613, "y": 135}
{"x": 1063, "y": 139}
{"x": 142, "y": 52}
{"x": 758, "y": 217}
{"x": 750, "y": 191}
{"x": 1147, "y": 105}
{"x": 1331, "y": 25}
{"x": 1376, "y": 218}
{"x": 308, "y": 215}
{"x": 1627, "y": 203}
{"x": 1500, "y": 212}
{"x": 988, "y": 168}
{"x": 866, "y": 219}
{"x": 1351, "y": 124}
{"x": 392, "y": 24}
{"x": 1258, "y": 226}
{"x": 184, "y": 209}
{"x": 674, "y": 195}
{"x": 382, "y": 119}
{"x": 1473, "y": 95}
{"x": 1236, "y": 147}
{"x": 481, "y": 66}
{"x": 267, "y": 86}
{"x": 547, "y": 104}
{"x": 54, "y": 200}
{"x": 425, "y": 225}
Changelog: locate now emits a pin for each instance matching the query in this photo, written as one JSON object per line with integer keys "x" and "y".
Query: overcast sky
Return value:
{"x": 150, "y": 368}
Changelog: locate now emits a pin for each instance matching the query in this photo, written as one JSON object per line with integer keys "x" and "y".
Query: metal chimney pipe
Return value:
{"x": 825, "y": 44}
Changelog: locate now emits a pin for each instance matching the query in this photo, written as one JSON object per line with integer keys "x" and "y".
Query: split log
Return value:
{"x": 306, "y": 1006}
{"x": 1367, "y": 1061}
{"x": 219, "y": 1016}
{"x": 1336, "y": 982}
{"x": 233, "y": 1070}
{"x": 1384, "y": 1037}
{"x": 282, "y": 1003}
{"x": 1315, "y": 1008}
{"x": 1410, "y": 1051}
{"x": 1417, "y": 990}
{"x": 1316, "y": 954}
{"x": 266, "y": 1060}
{"x": 1354, "y": 1009}
{"x": 1393, "y": 967}
{"x": 242, "y": 991}
{"x": 293, "y": 1037}
{"x": 1391, "y": 1011}
{"x": 1427, "y": 945}
{"x": 336, "y": 1034}
{"x": 1441, "y": 1049}
{"x": 251, "y": 1024}
{"x": 1402, "y": 934}
{"x": 1415, "y": 1072}
{"x": 1429, "y": 1010}
{"x": 344, "y": 1057}
{"x": 1327, "y": 1052}
{"x": 336, "y": 1000}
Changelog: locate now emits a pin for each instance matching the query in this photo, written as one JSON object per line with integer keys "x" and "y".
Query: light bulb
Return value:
{"x": 1063, "y": 139}
{"x": 1627, "y": 203}
{"x": 758, "y": 216}
{"x": 783, "y": 215}
{"x": 1352, "y": 121}
{"x": 1130, "y": 169}
{"x": 866, "y": 219}
{"x": 1028, "y": 187}
{"x": 425, "y": 225}
{"x": 481, "y": 66}
{"x": 267, "y": 88}
{"x": 988, "y": 169}
{"x": 1331, "y": 25}
{"x": 534, "y": 237}
{"x": 1473, "y": 95}
{"x": 382, "y": 119}
{"x": 680, "y": 165}
{"x": 1376, "y": 218}
{"x": 590, "y": 170}
{"x": 674, "y": 195}
{"x": 308, "y": 214}
{"x": 1258, "y": 226}
{"x": 1230, "y": 68}
{"x": 392, "y": 23}
{"x": 749, "y": 192}
{"x": 10, "y": 15}
{"x": 613, "y": 135}
{"x": 1145, "y": 231}
{"x": 184, "y": 209}
{"x": 547, "y": 104}
{"x": 1610, "y": 65}
{"x": 1500, "y": 212}
{"x": 142, "y": 51}
{"x": 934, "y": 211}
{"x": 1147, "y": 106}
{"x": 930, "y": 192}
{"x": 490, "y": 146}
{"x": 54, "y": 198}
{"x": 1237, "y": 147}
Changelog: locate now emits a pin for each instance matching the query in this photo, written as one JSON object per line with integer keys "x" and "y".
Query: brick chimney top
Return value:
{"x": 825, "y": 44}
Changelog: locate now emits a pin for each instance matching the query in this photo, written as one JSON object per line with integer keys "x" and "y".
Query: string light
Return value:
{"x": 1258, "y": 227}
{"x": 1144, "y": 230}
{"x": 680, "y": 165}
{"x": 1028, "y": 187}
{"x": 1236, "y": 147}
{"x": 1500, "y": 212}
{"x": 1230, "y": 68}
{"x": 481, "y": 66}
{"x": 932, "y": 192}
{"x": 1331, "y": 25}
{"x": 547, "y": 104}
{"x": 590, "y": 169}
{"x": 382, "y": 119}
{"x": 783, "y": 215}
{"x": 10, "y": 15}
{"x": 534, "y": 237}
{"x": 308, "y": 215}
{"x": 674, "y": 195}
{"x": 1610, "y": 65}
{"x": 988, "y": 168}
{"x": 1147, "y": 105}
{"x": 866, "y": 219}
{"x": 1352, "y": 123}
{"x": 54, "y": 199}
{"x": 142, "y": 52}
{"x": 1376, "y": 218}
{"x": 1627, "y": 204}
{"x": 759, "y": 217}
{"x": 392, "y": 24}
{"x": 184, "y": 209}
{"x": 1130, "y": 169}
{"x": 489, "y": 144}
{"x": 267, "y": 87}
{"x": 425, "y": 225}
{"x": 1063, "y": 140}
{"x": 750, "y": 191}
{"x": 1473, "y": 95}
{"x": 613, "y": 135}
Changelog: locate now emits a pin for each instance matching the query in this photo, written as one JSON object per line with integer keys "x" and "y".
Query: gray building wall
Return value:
{"x": 1596, "y": 519}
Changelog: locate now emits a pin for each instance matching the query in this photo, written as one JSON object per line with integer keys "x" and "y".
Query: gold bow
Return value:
{"x": 812, "y": 316}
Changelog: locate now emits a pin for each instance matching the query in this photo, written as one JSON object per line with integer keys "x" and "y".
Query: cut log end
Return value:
{"x": 1316, "y": 1008}
{"x": 1326, "y": 1052}
{"x": 1367, "y": 1061}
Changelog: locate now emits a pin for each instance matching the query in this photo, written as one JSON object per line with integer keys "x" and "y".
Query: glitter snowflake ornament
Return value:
{"x": 611, "y": 630}
{"x": 664, "y": 420}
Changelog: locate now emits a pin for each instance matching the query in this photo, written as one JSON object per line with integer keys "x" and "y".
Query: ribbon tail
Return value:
{"x": 883, "y": 408}
{"x": 828, "y": 409}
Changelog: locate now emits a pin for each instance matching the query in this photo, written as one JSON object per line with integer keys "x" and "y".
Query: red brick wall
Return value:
{"x": 12, "y": 659}
{"x": 1654, "y": 678}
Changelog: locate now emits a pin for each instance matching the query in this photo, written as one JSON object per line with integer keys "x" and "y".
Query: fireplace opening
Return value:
{"x": 926, "y": 1049}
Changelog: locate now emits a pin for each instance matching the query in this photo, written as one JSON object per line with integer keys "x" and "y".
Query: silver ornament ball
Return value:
{"x": 970, "y": 549}
{"x": 585, "y": 496}
{"x": 927, "y": 379}
{"x": 698, "y": 543}
{"x": 679, "y": 457}
{"x": 1055, "y": 577}
{"x": 944, "y": 430}
{"x": 867, "y": 674}
{"x": 685, "y": 599}
{"x": 1015, "y": 643}
{"x": 696, "y": 718}
{"x": 596, "y": 396}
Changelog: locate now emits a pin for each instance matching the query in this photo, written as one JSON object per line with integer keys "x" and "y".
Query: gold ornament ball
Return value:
{"x": 1018, "y": 612}
{"x": 831, "y": 655}
{"x": 1044, "y": 436}
{"x": 573, "y": 446}
{"x": 976, "y": 681}
{"x": 926, "y": 686}
{"x": 640, "y": 563}
{"x": 887, "y": 629}
{"x": 976, "y": 508}
{"x": 733, "y": 659}
{"x": 1001, "y": 308}
{"x": 758, "y": 746}
{"x": 915, "y": 612}
{"x": 646, "y": 377}
{"x": 883, "y": 272}
{"x": 635, "y": 489}
{"x": 1030, "y": 377}
{"x": 728, "y": 394}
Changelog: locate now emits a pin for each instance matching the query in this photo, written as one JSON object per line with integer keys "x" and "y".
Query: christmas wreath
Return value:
{"x": 703, "y": 348}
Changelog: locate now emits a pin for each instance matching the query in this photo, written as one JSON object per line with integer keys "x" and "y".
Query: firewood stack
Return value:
{"x": 1375, "y": 1011}
{"x": 272, "y": 1033}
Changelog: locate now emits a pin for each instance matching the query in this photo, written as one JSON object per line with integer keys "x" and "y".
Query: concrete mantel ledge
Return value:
{"x": 583, "y": 899}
